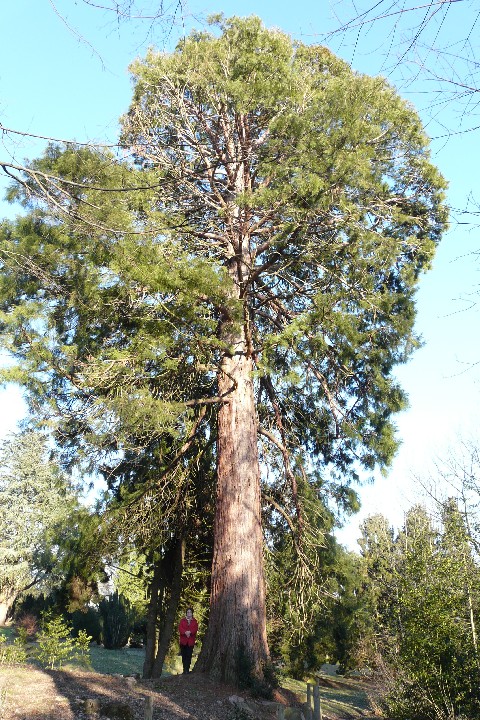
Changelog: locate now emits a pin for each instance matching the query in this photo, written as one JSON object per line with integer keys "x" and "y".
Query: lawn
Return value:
{"x": 8, "y": 631}
{"x": 125, "y": 661}
{"x": 338, "y": 696}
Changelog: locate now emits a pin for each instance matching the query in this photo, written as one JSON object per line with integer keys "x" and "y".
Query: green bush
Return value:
{"x": 82, "y": 648}
{"x": 88, "y": 620}
{"x": 56, "y": 646}
{"x": 15, "y": 653}
{"x": 116, "y": 620}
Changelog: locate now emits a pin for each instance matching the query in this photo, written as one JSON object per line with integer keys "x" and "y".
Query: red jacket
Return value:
{"x": 183, "y": 627}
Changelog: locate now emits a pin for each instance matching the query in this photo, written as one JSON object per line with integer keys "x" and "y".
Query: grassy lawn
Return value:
{"x": 126, "y": 661}
{"x": 8, "y": 632}
{"x": 337, "y": 695}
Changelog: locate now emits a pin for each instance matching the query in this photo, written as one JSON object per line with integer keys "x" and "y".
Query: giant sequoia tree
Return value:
{"x": 264, "y": 285}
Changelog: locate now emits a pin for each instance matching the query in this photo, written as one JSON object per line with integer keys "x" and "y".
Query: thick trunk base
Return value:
{"x": 236, "y": 637}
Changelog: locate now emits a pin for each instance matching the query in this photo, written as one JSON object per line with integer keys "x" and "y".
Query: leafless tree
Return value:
{"x": 432, "y": 47}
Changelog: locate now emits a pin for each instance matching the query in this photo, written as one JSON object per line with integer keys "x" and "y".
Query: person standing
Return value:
{"x": 187, "y": 629}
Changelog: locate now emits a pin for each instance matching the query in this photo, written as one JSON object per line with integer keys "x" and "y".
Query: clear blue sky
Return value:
{"x": 67, "y": 78}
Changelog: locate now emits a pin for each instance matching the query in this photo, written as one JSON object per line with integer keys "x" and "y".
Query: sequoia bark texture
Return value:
{"x": 237, "y": 617}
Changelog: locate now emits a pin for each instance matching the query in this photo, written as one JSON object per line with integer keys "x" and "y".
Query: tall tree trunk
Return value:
{"x": 157, "y": 587}
{"x": 4, "y": 608}
{"x": 168, "y": 624}
{"x": 237, "y": 624}
{"x": 7, "y": 600}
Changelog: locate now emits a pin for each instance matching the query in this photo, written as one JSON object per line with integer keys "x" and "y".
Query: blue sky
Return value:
{"x": 63, "y": 74}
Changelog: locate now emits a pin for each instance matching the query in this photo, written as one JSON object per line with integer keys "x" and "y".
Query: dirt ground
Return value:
{"x": 30, "y": 693}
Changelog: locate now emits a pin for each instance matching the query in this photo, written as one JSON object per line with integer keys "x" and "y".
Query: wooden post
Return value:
{"x": 317, "y": 709}
{"x": 149, "y": 708}
{"x": 280, "y": 712}
{"x": 309, "y": 701}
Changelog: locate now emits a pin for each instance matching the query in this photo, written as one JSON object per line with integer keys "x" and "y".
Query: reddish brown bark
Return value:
{"x": 237, "y": 611}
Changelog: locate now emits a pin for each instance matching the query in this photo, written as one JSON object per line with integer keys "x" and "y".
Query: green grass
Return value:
{"x": 8, "y": 632}
{"x": 125, "y": 661}
{"x": 128, "y": 661}
{"x": 337, "y": 695}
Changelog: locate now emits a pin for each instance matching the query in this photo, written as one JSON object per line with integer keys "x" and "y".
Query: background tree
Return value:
{"x": 38, "y": 506}
{"x": 263, "y": 282}
{"x": 421, "y": 42}
{"x": 425, "y": 613}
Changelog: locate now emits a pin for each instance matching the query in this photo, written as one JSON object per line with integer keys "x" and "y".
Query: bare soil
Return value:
{"x": 31, "y": 693}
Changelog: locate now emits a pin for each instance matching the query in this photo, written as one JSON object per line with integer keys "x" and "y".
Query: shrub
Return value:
{"x": 117, "y": 621}
{"x": 15, "y": 653}
{"x": 56, "y": 646}
{"x": 88, "y": 620}
{"x": 82, "y": 648}
{"x": 29, "y": 623}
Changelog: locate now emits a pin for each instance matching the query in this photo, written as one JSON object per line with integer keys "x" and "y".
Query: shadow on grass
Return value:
{"x": 8, "y": 631}
{"x": 339, "y": 697}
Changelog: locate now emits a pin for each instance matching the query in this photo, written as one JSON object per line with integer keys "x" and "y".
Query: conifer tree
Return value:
{"x": 37, "y": 505}
{"x": 258, "y": 281}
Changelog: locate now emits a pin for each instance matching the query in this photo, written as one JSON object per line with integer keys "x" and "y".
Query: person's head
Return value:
{"x": 189, "y": 613}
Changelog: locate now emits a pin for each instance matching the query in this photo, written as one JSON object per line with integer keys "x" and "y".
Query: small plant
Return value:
{"x": 29, "y": 623}
{"x": 55, "y": 644}
{"x": 82, "y": 648}
{"x": 15, "y": 653}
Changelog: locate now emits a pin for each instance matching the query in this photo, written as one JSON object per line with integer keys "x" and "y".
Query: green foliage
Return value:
{"x": 343, "y": 211}
{"x": 37, "y": 505}
{"x": 423, "y": 586}
{"x": 13, "y": 653}
{"x": 88, "y": 621}
{"x": 116, "y": 621}
{"x": 82, "y": 648}
{"x": 56, "y": 646}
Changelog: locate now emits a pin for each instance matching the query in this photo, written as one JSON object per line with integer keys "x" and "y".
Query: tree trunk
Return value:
{"x": 168, "y": 625}
{"x": 4, "y": 608}
{"x": 7, "y": 600}
{"x": 237, "y": 624}
{"x": 156, "y": 590}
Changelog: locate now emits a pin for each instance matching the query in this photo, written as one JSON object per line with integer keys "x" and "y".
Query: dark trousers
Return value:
{"x": 187, "y": 652}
